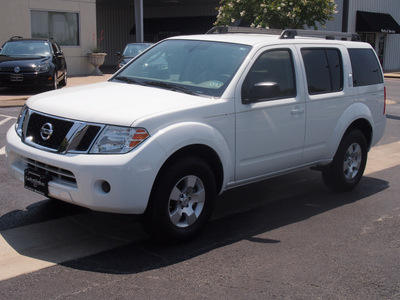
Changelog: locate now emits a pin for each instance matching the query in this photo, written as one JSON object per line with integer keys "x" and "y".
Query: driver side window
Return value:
{"x": 270, "y": 78}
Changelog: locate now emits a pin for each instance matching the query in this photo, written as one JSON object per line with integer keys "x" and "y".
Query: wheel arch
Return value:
{"x": 357, "y": 116}
{"x": 204, "y": 152}
{"x": 364, "y": 126}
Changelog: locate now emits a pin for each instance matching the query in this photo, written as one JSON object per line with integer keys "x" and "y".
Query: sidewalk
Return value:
{"x": 392, "y": 75}
{"x": 14, "y": 98}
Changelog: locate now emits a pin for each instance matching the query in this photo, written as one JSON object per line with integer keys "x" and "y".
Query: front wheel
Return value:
{"x": 55, "y": 83}
{"x": 348, "y": 164}
{"x": 182, "y": 200}
{"x": 63, "y": 82}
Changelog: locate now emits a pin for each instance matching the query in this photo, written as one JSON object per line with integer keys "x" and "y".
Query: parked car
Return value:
{"x": 130, "y": 51}
{"x": 32, "y": 63}
{"x": 194, "y": 116}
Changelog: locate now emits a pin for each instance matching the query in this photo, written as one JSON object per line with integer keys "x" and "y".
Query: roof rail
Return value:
{"x": 236, "y": 29}
{"x": 329, "y": 35}
{"x": 286, "y": 33}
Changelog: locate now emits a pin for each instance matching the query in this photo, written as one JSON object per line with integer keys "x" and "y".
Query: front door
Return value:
{"x": 270, "y": 131}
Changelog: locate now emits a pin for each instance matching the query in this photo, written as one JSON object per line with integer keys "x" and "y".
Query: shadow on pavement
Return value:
{"x": 243, "y": 225}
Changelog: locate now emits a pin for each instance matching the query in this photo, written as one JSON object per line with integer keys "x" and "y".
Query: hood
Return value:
{"x": 15, "y": 60}
{"x": 112, "y": 103}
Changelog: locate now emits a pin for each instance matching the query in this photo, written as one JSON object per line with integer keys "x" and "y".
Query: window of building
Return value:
{"x": 366, "y": 68}
{"x": 63, "y": 27}
{"x": 324, "y": 70}
{"x": 274, "y": 66}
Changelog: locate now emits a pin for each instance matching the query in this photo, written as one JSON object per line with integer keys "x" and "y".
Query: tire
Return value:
{"x": 348, "y": 164}
{"x": 63, "y": 82}
{"x": 181, "y": 202}
{"x": 55, "y": 84}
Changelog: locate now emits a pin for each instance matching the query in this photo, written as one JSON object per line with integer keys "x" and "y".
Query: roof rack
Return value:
{"x": 286, "y": 33}
{"x": 329, "y": 35}
{"x": 236, "y": 29}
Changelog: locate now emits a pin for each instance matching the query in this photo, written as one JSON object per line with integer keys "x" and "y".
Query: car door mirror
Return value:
{"x": 262, "y": 91}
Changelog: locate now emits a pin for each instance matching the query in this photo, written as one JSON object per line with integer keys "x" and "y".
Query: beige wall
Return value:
{"x": 15, "y": 20}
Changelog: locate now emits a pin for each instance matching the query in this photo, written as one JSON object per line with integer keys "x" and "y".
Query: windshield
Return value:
{"x": 195, "y": 67}
{"x": 131, "y": 50}
{"x": 26, "y": 48}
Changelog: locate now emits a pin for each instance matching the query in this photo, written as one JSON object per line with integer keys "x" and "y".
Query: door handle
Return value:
{"x": 298, "y": 110}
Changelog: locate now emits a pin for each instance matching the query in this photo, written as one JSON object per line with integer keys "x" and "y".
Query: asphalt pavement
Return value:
{"x": 12, "y": 98}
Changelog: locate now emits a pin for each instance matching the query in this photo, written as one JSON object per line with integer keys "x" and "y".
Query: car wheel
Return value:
{"x": 63, "y": 82}
{"x": 348, "y": 164}
{"x": 181, "y": 201}
{"x": 55, "y": 84}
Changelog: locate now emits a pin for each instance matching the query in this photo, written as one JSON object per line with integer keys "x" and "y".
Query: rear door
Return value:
{"x": 329, "y": 93}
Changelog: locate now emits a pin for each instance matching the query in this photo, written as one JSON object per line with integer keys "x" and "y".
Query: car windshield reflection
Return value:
{"x": 195, "y": 67}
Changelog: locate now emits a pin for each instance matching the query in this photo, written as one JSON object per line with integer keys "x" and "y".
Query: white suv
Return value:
{"x": 194, "y": 116}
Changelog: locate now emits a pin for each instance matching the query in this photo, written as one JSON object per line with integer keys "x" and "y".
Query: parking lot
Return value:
{"x": 284, "y": 238}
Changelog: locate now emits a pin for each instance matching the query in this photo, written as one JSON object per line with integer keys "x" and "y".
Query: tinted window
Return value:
{"x": 323, "y": 70}
{"x": 26, "y": 48}
{"x": 274, "y": 66}
{"x": 366, "y": 68}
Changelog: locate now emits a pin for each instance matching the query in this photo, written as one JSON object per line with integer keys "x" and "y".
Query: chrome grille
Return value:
{"x": 56, "y": 134}
{"x": 61, "y": 129}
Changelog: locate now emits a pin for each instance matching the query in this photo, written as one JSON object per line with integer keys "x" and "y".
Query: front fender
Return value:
{"x": 180, "y": 135}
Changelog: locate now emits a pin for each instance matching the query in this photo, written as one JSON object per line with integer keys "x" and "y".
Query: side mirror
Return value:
{"x": 262, "y": 91}
{"x": 118, "y": 54}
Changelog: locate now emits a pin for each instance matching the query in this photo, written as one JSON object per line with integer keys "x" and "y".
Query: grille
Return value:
{"x": 60, "y": 127}
{"x": 57, "y": 174}
{"x": 88, "y": 138}
{"x": 66, "y": 136}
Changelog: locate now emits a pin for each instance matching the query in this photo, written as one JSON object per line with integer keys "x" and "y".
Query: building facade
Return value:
{"x": 72, "y": 23}
{"x": 78, "y": 25}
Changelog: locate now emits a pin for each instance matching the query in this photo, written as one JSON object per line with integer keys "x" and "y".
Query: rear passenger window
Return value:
{"x": 366, "y": 68}
{"x": 324, "y": 70}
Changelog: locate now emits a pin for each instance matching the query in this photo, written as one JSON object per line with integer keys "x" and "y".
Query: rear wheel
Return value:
{"x": 348, "y": 164}
{"x": 182, "y": 200}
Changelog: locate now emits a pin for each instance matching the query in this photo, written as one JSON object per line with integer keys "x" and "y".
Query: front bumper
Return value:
{"x": 78, "y": 178}
{"x": 26, "y": 79}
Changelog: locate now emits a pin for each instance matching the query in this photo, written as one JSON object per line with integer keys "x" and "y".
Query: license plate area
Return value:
{"x": 17, "y": 77}
{"x": 36, "y": 181}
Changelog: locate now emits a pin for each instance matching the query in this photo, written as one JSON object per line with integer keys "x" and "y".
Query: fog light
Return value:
{"x": 101, "y": 187}
{"x": 105, "y": 186}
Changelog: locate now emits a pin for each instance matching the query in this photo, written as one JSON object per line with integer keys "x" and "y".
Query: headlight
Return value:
{"x": 114, "y": 139}
{"x": 20, "y": 120}
{"x": 42, "y": 68}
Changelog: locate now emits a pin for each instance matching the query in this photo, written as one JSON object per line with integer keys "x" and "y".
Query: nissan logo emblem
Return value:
{"x": 17, "y": 69}
{"x": 46, "y": 131}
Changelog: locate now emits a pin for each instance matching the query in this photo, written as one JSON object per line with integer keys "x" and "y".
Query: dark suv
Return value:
{"x": 32, "y": 63}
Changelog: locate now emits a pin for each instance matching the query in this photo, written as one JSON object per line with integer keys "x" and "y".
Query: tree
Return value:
{"x": 278, "y": 14}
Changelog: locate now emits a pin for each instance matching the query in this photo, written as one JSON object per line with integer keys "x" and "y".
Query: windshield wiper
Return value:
{"x": 170, "y": 86}
{"x": 127, "y": 80}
